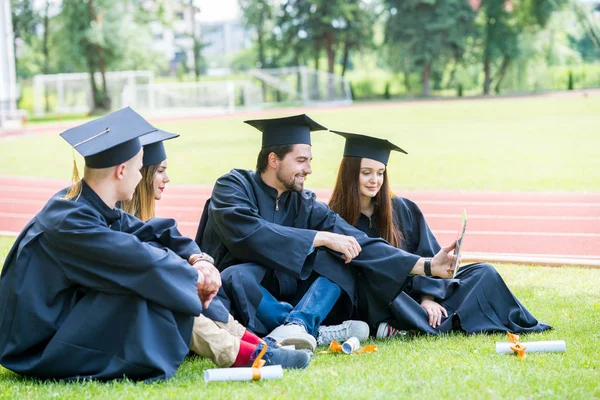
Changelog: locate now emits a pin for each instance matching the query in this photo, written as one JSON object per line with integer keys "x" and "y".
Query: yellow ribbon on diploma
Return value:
{"x": 517, "y": 347}
{"x": 259, "y": 362}
{"x": 335, "y": 347}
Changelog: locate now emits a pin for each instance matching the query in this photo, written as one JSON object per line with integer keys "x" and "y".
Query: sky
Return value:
{"x": 218, "y": 10}
{"x": 210, "y": 10}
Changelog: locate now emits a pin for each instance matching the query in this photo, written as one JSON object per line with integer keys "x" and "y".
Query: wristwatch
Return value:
{"x": 194, "y": 258}
{"x": 427, "y": 267}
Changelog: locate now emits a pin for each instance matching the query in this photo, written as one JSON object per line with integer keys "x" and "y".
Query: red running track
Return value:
{"x": 548, "y": 228}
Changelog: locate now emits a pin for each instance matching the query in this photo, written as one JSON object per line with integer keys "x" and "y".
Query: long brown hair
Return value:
{"x": 345, "y": 200}
{"x": 142, "y": 203}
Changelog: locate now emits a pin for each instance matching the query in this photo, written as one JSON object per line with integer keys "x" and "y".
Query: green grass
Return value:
{"x": 501, "y": 144}
{"x": 449, "y": 366}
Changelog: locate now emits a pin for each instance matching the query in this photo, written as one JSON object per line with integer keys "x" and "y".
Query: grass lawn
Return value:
{"x": 449, "y": 366}
{"x": 500, "y": 144}
{"x": 503, "y": 144}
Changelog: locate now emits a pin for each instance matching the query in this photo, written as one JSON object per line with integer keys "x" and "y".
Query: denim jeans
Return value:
{"x": 310, "y": 311}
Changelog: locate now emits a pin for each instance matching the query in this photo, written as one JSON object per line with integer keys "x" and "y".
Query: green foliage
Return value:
{"x": 428, "y": 32}
{"x": 307, "y": 27}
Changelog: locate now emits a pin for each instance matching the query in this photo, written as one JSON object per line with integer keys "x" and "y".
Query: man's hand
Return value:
{"x": 434, "y": 310}
{"x": 209, "y": 281}
{"x": 347, "y": 245}
{"x": 443, "y": 261}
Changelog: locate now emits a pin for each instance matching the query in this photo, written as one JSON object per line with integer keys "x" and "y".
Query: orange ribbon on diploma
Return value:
{"x": 517, "y": 347}
{"x": 335, "y": 347}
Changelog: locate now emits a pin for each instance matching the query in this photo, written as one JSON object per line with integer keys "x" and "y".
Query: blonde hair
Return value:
{"x": 142, "y": 203}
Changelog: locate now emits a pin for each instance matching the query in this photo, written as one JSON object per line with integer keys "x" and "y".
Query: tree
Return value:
{"x": 24, "y": 19}
{"x": 258, "y": 15}
{"x": 504, "y": 22}
{"x": 430, "y": 31}
{"x": 197, "y": 45}
{"x": 100, "y": 35}
{"x": 307, "y": 27}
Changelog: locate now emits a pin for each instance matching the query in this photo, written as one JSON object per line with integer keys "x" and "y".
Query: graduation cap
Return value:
{"x": 154, "y": 149}
{"x": 287, "y": 130}
{"x": 368, "y": 147}
{"x": 109, "y": 140}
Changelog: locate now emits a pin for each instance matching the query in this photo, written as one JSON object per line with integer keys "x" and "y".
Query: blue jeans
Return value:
{"x": 310, "y": 311}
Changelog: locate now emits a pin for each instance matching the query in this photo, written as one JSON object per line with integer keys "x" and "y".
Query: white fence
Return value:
{"x": 294, "y": 86}
{"x": 72, "y": 93}
{"x": 303, "y": 86}
{"x": 193, "y": 98}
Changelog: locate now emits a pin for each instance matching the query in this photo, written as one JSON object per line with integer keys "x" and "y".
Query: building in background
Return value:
{"x": 220, "y": 38}
{"x": 8, "y": 78}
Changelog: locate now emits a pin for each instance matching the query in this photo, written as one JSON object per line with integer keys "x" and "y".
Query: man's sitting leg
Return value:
{"x": 302, "y": 325}
{"x": 231, "y": 345}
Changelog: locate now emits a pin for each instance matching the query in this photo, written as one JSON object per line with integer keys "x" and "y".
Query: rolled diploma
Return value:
{"x": 242, "y": 374}
{"x": 551, "y": 346}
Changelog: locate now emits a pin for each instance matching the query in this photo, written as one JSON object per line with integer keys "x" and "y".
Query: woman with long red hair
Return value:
{"x": 478, "y": 300}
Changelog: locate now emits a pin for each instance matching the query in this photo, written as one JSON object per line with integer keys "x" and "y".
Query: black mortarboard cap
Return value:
{"x": 109, "y": 140}
{"x": 368, "y": 147}
{"x": 287, "y": 130}
{"x": 154, "y": 149}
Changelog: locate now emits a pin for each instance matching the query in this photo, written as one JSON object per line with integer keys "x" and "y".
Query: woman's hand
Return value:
{"x": 443, "y": 261}
{"x": 434, "y": 310}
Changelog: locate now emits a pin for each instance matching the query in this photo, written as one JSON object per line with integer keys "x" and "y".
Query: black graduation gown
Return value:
{"x": 92, "y": 292}
{"x": 257, "y": 238}
{"x": 478, "y": 300}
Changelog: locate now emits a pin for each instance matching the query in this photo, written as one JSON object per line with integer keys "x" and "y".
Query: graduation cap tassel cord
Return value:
{"x": 75, "y": 188}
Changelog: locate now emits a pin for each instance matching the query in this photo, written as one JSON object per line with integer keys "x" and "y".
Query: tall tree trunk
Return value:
{"x": 501, "y": 73}
{"x": 487, "y": 81}
{"x": 330, "y": 63}
{"x": 196, "y": 42}
{"x": 345, "y": 55}
{"x": 46, "y": 68}
{"x": 92, "y": 72}
{"x": 102, "y": 67}
{"x": 426, "y": 74}
{"x": 316, "y": 84}
{"x": 487, "y": 59}
{"x": 261, "y": 54}
{"x": 406, "y": 74}
{"x": 101, "y": 99}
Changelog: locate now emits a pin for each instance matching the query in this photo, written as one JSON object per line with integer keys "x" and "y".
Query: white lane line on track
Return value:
{"x": 512, "y": 233}
{"x": 440, "y": 202}
{"x": 508, "y": 203}
{"x": 517, "y": 217}
{"x": 534, "y": 255}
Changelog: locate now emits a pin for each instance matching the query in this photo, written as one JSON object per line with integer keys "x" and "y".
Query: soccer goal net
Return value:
{"x": 72, "y": 93}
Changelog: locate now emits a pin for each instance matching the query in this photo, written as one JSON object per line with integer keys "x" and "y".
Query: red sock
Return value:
{"x": 251, "y": 337}
{"x": 243, "y": 357}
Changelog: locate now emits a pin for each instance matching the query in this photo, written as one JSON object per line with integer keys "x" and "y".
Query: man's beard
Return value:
{"x": 290, "y": 184}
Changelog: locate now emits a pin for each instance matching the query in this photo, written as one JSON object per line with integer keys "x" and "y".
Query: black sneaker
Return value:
{"x": 293, "y": 359}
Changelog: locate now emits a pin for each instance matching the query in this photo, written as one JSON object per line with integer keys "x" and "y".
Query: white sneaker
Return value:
{"x": 294, "y": 335}
{"x": 343, "y": 332}
{"x": 386, "y": 331}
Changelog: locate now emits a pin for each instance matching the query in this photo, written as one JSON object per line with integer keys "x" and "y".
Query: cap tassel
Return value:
{"x": 75, "y": 177}
{"x": 75, "y": 189}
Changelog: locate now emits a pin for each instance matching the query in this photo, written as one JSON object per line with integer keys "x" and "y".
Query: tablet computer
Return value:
{"x": 461, "y": 237}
